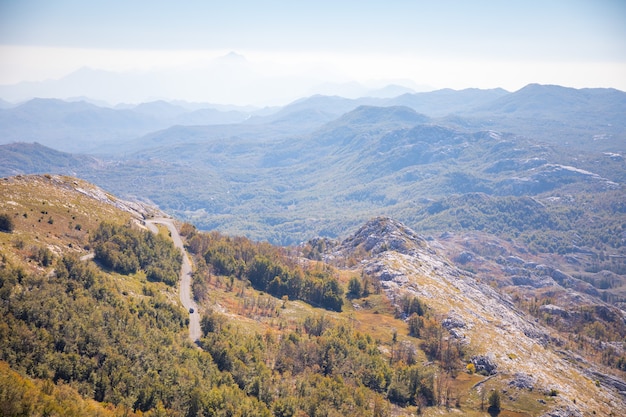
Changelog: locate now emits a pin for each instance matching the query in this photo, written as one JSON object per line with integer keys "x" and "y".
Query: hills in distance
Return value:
{"x": 543, "y": 166}
{"x": 410, "y": 330}
{"x": 323, "y": 165}
{"x": 590, "y": 116}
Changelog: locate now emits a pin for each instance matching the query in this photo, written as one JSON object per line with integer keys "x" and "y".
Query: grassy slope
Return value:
{"x": 58, "y": 214}
{"x": 373, "y": 315}
{"x": 51, "y": 211}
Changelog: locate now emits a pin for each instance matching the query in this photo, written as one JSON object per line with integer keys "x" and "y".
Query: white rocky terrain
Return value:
{"x": 520, "y": 353}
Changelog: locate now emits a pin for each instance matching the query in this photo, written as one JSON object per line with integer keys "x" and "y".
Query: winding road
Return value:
{"x": 185, "y": 277}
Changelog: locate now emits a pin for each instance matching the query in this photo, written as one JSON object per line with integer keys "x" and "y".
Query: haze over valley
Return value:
{"x": 327, "y": 210}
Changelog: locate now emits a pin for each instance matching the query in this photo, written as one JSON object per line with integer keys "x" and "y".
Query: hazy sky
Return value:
{"x": 444, "y": 43}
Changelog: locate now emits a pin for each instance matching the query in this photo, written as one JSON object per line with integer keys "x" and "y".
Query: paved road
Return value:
{"x": 185, "y": 277}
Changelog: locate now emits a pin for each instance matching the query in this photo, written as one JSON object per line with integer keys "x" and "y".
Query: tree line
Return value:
{"x": 266, "y": 268}
{"x": 127, "y": 250}
{"x": 81, "y": 341}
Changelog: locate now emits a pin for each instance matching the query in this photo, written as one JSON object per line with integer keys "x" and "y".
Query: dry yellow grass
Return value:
{"x": 47, "y": 211}
{"x": 60, "y": 213}
{"x": 55, "y": 212}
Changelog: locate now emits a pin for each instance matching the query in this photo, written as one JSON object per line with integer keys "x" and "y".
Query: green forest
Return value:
{"x": 266, "y": 267}
{"x": 104, "y": 339}
{"x": 127, "y": 250}
{"x": 92, "y": 324}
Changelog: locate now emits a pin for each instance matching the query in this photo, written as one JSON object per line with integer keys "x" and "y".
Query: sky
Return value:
{"x": 255, "y": 52}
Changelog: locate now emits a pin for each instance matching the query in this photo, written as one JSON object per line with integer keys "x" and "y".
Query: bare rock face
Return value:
{"x": 610, "y": 381}
{"x": 533, "y": 281}
{"x": 453, "y": 321}
{"x": 485, "y": 364}
{"x": 506, "y": 341}
{"x": 465, "y": 257}
{"x": 523, "y": 381}
{"x": 554, "y": 310}
{"x": 565, "y": 411}
{"x": 384, "y": 234}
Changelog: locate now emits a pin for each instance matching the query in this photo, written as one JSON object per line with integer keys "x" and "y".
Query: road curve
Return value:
{"x": 185, "y": 277}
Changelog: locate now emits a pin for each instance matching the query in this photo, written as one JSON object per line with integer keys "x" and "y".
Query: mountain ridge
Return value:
{"x": 591, "y": 118}
{"x": 539, "y": 370}
{"x": 406, "y": 263}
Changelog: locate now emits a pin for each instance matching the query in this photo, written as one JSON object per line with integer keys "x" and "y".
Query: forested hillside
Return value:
{"x": 107, "y": 337}
{"x": 429, "y": 263}
{"x": 321, "y": 329}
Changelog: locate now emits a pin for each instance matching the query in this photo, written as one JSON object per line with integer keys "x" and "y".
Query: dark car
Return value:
{"x": 191, "y": 310}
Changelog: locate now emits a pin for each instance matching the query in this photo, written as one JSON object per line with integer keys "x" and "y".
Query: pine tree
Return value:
{"x": 494, "y": 401}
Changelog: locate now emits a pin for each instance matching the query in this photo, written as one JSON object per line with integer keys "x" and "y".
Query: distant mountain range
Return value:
{"x": 586, "y": 119}
{"x": 85, "y": 127}
{"x": 230, "y": 78}
{"x": 20, "y": 158}
{"x": 322, "y": 164}
{"x": 525, "y": 188}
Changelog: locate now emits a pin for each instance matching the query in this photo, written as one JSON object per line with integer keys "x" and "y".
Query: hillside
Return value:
{"x": 34, "y": 158}
{"x": 487, "y": 321}
{"x": 585, "y": 119}
{"x": 285, "y": 180}
{"x": 540, "y": 219}
{"x": 380, "y": 324}
{"x": 79, "y": 126}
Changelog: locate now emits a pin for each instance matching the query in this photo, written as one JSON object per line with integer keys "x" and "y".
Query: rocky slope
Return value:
{"x": 521, "y": 353}
{"x": 534, "y": 368}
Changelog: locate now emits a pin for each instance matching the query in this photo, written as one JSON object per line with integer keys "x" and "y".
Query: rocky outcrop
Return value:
{"x": 610, "y": 381}
{"x": 533, "y": 281}
{"x": 464, "y": 257}
{"x": 384, "y": 234}
{"x": 523, "y": 381}
{"x": 506, "y": 342}
{"x": 485, "y": 364}
{"x": 553, "y": 310}
{"x": 564, "y": 411}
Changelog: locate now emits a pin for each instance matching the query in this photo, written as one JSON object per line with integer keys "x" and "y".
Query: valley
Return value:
{"x": 365, "y": 256}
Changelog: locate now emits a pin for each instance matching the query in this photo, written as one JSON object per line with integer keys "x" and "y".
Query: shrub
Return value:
{"x": 6, "y": 223}
{"x": 43, "y": 256}
{"x": 355, "y": 288}
{"x": 127, "y": 250}
{"x": 494, "y": 401}
{"x": 416, "y": 323}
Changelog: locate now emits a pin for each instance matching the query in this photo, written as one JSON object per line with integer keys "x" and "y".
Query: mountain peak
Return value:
{"x": 383, "y": 234}
{"x": 365, "y": 115}
{"x": 233, "y": 57}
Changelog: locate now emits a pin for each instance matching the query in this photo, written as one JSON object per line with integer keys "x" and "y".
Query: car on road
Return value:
{"x": 191, "y": 311}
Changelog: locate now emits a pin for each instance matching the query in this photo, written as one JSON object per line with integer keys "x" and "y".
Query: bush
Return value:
{"x": 355, "y": 289}
{"x": 43, "y": 256}
{"x": 416, "y": 323}
{"x": 494, "y": 401}
{"x": 6, "y": 223}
